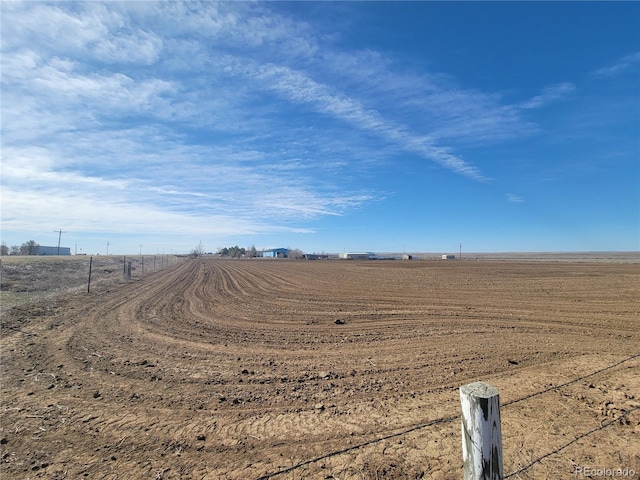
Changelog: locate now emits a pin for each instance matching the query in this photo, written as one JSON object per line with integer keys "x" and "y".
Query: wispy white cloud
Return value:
{"x": 550, "y": 94}
{"x": 513, "y": 198}
{"x": 446, "y": 113}
{"x": 299, "y": 88}
{"x": 620, "y": 66}
{"x": 213, "y": 115}
{"x": 26, "y": 209}
{"x": 139, "y": 47}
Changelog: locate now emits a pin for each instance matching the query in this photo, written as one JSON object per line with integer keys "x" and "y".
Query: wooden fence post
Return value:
{"x": 89, "y": 281}
{"x": 481, "y": 434}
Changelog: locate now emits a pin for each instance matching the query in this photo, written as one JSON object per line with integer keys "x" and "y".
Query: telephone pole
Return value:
{"x": 59, "y": 232}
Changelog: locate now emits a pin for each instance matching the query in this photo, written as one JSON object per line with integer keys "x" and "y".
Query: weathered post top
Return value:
{"x": 481, "y": 433}
{"x": 479, "y": 390}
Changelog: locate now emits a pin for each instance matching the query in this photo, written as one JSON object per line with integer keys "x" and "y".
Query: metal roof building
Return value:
{"x": 276, "y": 253}
{"x": 42, "y": 250}
{"x": 357, "y": 255}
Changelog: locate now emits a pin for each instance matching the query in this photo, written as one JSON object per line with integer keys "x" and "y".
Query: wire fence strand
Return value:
{"x": 360, "y": 445}
{"x": 579, "y": 437}
{"x": 449, "y": 419}
{"x": 575, "y": 380}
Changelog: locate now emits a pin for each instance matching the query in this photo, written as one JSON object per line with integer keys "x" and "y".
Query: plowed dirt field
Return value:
{"x": 247, "y": 369}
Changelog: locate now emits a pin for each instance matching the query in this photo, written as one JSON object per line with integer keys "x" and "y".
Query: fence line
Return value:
{"x": 138, "y": 260}
{"x": 437, "y": 421}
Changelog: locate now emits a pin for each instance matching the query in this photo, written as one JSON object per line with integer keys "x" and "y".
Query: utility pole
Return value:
{"x": 59, "y": 232}
{"x": 460, "y": 258}
{"x": 107, "y": 249}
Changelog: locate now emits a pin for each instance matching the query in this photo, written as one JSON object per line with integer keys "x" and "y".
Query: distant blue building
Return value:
{"x": 276, "y": 253}
{"x": 42, "y": 250}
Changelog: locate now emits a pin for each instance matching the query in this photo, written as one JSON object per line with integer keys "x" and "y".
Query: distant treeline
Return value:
{"x": 236, "y": 251}
{"x": 27, "y": 248}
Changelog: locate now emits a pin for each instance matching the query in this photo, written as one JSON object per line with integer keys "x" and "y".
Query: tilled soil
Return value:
{"x": 247, "y": 369}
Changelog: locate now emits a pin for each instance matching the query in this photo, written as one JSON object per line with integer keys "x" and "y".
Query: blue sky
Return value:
{"x": 333, "y": 126}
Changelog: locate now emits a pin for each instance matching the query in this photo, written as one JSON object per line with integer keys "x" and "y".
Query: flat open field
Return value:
{"x": 247, "y": 369}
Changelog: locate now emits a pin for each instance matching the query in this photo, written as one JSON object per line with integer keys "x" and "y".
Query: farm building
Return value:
{"x": 276, "y": 253}
{"x": 316, "y": 256}
{"x": 42, "y": 250}
{"x": 448, "y": 257}
{"x": 357, "y": 256}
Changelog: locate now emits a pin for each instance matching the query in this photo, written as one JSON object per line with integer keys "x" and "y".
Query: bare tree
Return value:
{"x": 232, "y": 252}
{"x": 198, "y": 251}
{"x": 296, "y": 254}
{"x": 4, "y": 250}
{"x": 29, "y": 248}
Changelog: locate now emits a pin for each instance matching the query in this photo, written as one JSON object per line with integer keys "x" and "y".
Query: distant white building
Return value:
{"x": 448, "y": 257}
{"x": 42, "y": 250}
{"x": 357, "y": 255}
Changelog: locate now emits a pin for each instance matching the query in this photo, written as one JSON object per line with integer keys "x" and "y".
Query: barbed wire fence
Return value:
{"x": 129, "y": 264}
{"x": 449, "y": 419}
{"x": 579, "y": 437}
{"x": 144, "y": 265}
